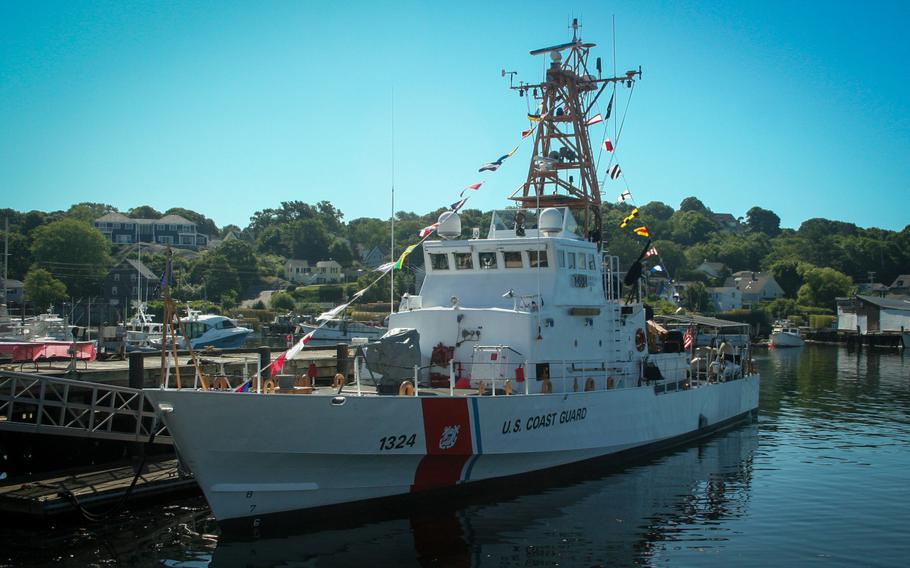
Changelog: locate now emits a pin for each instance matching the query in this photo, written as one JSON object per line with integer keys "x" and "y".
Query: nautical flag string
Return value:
{"x": 688, "y": 339}
{"x": 650, "y": 252}
{"x": 615, "y": 171}
{"x": 474, "y": 186}
{"x": 428, "y": 230}
{"x": 384, "y": 267}
{"x": 624, "y": 196}
{"x": 278, "y": 364}
{"x": 658, "y": 268}
{"x": 404, "y": 255}
{"x": 628, "y": 218}
{"x": 641, "y": 231}
{"x": 594, "y": 120}
{"x": 458, "y": 204}
{"x": 608, "y": 145}
{"x": 610, "y": 106}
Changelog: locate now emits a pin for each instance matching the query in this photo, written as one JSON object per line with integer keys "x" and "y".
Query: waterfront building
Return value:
{"x": 712, "y": 269}
{"x": 171, "y": 230}
{"x": 873, "y": 314}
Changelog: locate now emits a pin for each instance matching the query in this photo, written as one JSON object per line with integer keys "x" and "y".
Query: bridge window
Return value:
{"x": 571, "y": 257}
{"x": 512, "y": 259}
{"x": 464, "y": 261}
{"x": 590, "y": 262}
{"x": 439, "y": 261}
{"x": 581, "y": 260}
{"x": 538, "y": 258}
{"x": 487, "y": 260}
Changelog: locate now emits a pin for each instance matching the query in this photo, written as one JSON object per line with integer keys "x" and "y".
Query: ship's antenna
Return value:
{"x": 392, "y": 231}
{"x": 614, "y": 74}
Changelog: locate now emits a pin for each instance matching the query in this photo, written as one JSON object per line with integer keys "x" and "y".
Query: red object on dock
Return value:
{"x": 28, "y": 351}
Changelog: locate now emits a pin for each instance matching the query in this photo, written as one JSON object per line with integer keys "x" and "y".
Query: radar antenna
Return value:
{"x": 562, "y": 147}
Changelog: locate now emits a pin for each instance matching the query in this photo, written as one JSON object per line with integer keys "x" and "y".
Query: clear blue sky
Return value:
{"x": 227, "y": 108}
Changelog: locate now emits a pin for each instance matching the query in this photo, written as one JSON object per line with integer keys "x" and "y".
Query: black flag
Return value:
{"x": 609, "y": 107}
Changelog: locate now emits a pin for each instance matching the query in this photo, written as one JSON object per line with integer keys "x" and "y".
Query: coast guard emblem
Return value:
{"x": 449, "y": 437}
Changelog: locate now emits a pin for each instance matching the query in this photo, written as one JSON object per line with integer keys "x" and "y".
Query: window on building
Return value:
{"x": 116, "y": 277}
{"x": 113, "y": 290}
{"x": 487, "y": 260}
{"x": 538, "y": 258}
{"x": 581, "y": 260}
{"x": 464, "y": 261}
{"x": 571, "y": 257}
{"x": 439, "y": 261}
{"x": 561, "y": 258}
{"x": 512, "y": 259}
{"x": 590, "y": 262}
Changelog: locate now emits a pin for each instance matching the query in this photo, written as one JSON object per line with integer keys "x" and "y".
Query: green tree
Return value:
{"x": 306, "y": 240}
{"x": 787, "y": 274}
{"x": 75, "y": 253}
{"x": 763, "y": 221}
{"x": 695, "y": 297}
{"x": 144, "y": 212}
{"x": 690, "y": 227}
{"x": 19, "y": 255}
{"x": 42, "y": 289}
{"x": 281, "y": 301}
{"x": 88, "y": 212}
{"x": 341, "y": 252}
{"x": 693, "y": 204}
{"x": 822, "y": 286}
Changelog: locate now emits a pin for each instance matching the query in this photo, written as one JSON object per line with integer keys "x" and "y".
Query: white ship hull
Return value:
{"x": 275, "y": 454}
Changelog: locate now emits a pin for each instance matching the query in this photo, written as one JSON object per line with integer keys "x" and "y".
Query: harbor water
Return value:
{"x": 818, "y": 479}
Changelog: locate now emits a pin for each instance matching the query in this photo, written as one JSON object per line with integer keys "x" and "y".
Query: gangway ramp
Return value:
{"x": 50, "y": 405}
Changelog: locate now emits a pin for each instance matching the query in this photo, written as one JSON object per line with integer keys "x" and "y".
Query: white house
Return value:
{"x": 725, "y": 298}
{"x": 711, "y": 269}
{"x": 324, "y": 272}
{"x": 755, "y": 286}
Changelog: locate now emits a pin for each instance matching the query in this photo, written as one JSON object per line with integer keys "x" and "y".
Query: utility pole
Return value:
{"x": 5, "y": 258}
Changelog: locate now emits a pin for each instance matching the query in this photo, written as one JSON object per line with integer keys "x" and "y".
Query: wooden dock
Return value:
{"x": 97, "y": 490}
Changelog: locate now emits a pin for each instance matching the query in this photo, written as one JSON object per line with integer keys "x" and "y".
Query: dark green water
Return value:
{"x": 820, "y": 479}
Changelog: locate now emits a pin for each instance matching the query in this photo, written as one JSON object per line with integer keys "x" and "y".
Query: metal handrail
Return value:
{"x": 67, "y": 407}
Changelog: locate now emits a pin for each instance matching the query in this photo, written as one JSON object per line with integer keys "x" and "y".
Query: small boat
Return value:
{"x": 341, "y": 330}
{"x": 784, "y": 335}
{"x": 140, "y": 331}
{"x": 209, "y": 330}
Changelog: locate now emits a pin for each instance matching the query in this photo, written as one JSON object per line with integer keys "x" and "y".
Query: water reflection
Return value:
{"x": 617, "y": 517}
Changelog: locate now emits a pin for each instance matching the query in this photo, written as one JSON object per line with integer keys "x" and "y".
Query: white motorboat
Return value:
{"x": 209, "y": 330}
{"x": 785, "y": 335}
{"x": 340, "y": 330}
{"x": 529, "y": 358}
{"x": 141, "y": 330}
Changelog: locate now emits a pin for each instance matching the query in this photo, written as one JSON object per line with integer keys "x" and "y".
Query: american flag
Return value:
{"x": 687, "y": 338}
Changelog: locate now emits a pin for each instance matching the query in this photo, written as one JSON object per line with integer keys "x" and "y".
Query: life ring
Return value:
{"x": 589, "y": 384}
{"x": 406, "y": 389}
{"x": 269, "y": 386}
{"x": 221, "y": 384}
{"x": 303, "y": 381}
{"x": 338, "y": 381}
{"x": 546, "y": 387}
{"x": 507, "y": 388}
{"x": 640, "y": 339}
{"x": 609, "y": 382}
{"x": 482, "y": 388}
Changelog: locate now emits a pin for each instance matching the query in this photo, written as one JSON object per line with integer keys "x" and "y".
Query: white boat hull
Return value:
{"x": 786, "y": 340}
{"x": 255, "y": 455}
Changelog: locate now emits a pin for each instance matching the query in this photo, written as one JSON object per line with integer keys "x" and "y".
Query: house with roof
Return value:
{"x": 15, "y": 291}
{"x": 755, "y": 287}
{"x": 127, "y": 281}
{"x": 725, "y": 298}
{"x": 901, "y": 285}
{"x": 374, "y": 257}
{"x": 323, "y": 272}
{"x": 874, "y": 314}
{"x": 171, "y": 230}
{"x": 712, "y": 269}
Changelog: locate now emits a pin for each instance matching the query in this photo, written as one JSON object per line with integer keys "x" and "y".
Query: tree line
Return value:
{"x": 61, "y": 255}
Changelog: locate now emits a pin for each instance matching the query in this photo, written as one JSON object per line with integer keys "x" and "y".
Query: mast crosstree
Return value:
{"x": 562, "y": 172}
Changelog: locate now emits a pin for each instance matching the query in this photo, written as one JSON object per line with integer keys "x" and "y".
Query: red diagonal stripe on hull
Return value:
{"x": 447, "y": 451}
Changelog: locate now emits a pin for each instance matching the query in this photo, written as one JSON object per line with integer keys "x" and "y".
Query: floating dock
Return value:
{"x": 48, "y": 495}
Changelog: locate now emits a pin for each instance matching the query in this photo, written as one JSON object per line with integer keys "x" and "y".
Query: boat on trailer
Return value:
{"x": 530, "y": 358}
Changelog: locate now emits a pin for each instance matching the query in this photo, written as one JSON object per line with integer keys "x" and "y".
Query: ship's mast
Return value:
{"x": 562, "y": 171}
